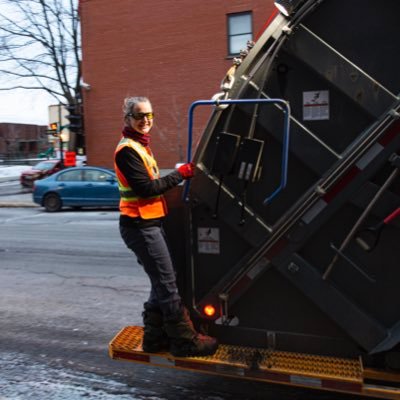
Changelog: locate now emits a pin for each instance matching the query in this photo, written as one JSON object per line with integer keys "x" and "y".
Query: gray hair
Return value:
{"x": 131, "y": 102}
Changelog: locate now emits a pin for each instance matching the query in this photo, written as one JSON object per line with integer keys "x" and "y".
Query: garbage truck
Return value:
{"x": 287, "y": 240}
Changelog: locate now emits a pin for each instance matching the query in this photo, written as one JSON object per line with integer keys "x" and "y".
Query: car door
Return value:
{"x": 100, "y": 187}
{"x": 69, "y": 186}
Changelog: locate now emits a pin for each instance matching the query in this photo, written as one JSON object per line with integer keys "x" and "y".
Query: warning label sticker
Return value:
{"x": 208, "y": 240}
{"x": 316, "y": 105}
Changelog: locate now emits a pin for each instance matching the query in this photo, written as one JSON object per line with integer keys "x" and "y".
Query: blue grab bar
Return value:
{"x": 286, "y": 136}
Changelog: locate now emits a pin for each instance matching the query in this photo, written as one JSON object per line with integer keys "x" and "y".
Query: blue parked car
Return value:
{"x": 77, "y": 187}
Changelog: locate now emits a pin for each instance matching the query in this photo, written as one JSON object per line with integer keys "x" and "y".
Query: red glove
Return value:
{"x": 186, "y": 170}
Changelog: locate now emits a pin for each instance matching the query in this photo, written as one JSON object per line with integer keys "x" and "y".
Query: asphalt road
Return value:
{"x": 67, "y": 286}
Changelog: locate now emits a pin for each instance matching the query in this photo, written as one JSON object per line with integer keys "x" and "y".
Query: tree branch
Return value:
{"x": 48, "y": 31}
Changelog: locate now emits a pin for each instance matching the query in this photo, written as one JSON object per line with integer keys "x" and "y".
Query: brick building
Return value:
{"x": 22, "y": 140}
{"x": 174, "y": 52}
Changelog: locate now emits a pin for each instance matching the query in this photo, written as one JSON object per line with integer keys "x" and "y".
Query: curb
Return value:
{"x": 17, "y": 205}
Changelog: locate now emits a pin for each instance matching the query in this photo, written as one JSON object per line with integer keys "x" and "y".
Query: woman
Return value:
{"x": 167, "y": 325}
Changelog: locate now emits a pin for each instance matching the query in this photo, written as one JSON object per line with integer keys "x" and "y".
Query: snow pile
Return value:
{"x": 10, "y": 173}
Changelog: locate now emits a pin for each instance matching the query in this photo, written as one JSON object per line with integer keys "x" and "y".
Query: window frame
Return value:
{"x": 230, "y": 35}
{"x": 66, "y": 172}
{"x": 87, "y": 174}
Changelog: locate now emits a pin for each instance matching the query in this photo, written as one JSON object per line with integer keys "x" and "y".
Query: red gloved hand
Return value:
{"x": 186, "y": 170}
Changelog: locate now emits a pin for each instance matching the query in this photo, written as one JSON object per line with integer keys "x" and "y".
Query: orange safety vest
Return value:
{"x": 130, "y": 204}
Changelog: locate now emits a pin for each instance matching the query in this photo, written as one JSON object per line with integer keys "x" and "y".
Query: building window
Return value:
{"x": 239, "y": 32}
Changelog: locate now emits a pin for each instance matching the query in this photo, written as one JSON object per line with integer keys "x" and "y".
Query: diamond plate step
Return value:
{"x": 293, "y": 368}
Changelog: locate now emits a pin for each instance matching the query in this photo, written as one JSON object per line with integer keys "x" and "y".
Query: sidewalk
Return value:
{"x": 17, "y": 200}
{"x": 9, "y": 174}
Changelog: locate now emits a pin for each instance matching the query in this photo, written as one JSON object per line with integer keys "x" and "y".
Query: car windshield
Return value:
{"x": 44, "y": 165}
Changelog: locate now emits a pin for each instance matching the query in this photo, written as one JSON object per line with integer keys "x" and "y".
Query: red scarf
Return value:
{"x": 142, "y": 138}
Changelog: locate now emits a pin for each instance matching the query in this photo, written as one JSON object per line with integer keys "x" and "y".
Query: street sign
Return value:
{"x": 70, "y": 159}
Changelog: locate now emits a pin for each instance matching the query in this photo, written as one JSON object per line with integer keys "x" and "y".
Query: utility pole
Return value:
{"x": 60, "y": 141}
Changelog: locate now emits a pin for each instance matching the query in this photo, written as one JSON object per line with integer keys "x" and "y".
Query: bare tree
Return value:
{"x": 40, "y": 47}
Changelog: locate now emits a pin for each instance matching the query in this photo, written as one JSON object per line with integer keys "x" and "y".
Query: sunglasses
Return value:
{"x": 138, "y": 116}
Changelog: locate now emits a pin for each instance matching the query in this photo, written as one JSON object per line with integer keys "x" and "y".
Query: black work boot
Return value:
{"x": 184, "y": 340}
{"x": 155, "y": 339}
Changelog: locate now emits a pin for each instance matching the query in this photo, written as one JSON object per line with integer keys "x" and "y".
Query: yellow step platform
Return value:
{"x": 295, "y": 369}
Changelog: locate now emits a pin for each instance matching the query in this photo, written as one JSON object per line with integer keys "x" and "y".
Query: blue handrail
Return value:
{"x": 286, "y": 136}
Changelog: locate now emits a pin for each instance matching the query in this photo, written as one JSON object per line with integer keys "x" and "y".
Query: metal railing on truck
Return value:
{"x": 286, "y": 136}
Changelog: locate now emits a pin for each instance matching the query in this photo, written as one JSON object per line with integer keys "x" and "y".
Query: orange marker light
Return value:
{"x": 209, "y": 310}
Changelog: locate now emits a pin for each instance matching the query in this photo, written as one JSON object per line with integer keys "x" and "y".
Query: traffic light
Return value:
{"x": 75, "y": 118}
{"x": 53, "y": 129}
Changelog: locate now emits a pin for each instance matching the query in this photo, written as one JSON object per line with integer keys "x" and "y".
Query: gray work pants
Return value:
{"x": 150, "y": 247}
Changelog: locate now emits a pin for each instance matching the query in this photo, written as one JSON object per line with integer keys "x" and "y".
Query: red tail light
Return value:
{"x": 209, "y": 310}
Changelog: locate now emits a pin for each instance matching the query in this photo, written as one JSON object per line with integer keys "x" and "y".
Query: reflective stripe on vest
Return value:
{"x": 130, "y": 203}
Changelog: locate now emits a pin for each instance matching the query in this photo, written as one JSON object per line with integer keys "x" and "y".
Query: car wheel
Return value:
{"x": 52, "y": 202}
